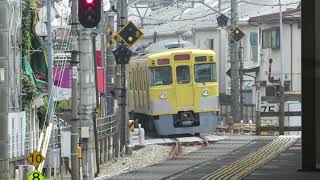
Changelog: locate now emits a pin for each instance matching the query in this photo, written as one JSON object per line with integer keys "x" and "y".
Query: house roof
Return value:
{"x": 294, "y": 14}
{"x": 171, "y": 19}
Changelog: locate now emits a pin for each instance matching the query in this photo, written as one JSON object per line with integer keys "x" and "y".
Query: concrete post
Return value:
{"x": 75, "y": 105}
{"x": 87, "y": 103}
{"x": 234, "y": 55}
{"x": 4, "y": 89}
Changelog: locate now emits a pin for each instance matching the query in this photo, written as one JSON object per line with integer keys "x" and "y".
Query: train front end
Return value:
{"x": 183, "y": 91}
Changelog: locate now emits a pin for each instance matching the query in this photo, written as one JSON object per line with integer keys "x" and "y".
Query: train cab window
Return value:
{"x": 183, "y": 74}
{"x": 160, "y": 76}
{"x": 205, "y": 72}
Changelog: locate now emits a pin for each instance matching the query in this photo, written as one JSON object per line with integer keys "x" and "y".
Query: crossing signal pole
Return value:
{"x": 235, "y": 63}
{"x": 89, "y": 15}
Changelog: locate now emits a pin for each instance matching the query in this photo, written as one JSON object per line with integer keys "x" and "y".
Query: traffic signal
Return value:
{"x": 222, "y": 20}
{"x": 122, "y": 54}
{"x": 89, "y": 13}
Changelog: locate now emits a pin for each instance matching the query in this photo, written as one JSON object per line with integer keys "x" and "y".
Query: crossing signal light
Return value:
{"x": 89, "y": 13}
{"x": 122, "y": 54}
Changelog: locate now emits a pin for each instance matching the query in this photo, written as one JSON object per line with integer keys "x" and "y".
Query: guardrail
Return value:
{"x": 289, "y": 98}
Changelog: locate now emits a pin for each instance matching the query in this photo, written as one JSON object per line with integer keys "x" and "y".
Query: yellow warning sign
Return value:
{"x": 131, "y": 125}
{"x": 35, "y": 158}
{"x": 35, "y": 175}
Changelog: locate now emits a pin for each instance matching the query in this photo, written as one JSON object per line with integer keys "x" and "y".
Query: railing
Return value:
{"x": 249, "y": 113}
{"x": 23, "y": 144}
{"x": 107, "y": 125}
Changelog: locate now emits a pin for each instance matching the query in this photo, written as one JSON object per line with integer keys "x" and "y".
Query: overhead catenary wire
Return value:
{"x": 262, "y": 4}
{"x": 209, "y": 14}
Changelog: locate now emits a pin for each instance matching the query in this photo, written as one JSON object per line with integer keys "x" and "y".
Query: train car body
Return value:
{"x": 175, "y": 91}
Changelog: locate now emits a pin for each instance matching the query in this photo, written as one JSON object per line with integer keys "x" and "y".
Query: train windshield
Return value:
{"x": 205, "y": 72}
{"x": 160, "y": 76}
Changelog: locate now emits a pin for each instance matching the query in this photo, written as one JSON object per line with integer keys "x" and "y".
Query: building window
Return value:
{"x": 271, "y": 38}
{"x": 287, "y": 85}
{"x": 254, "y": 46}
{"x": 211, "y": 44}
{"x": 271, "y": 91}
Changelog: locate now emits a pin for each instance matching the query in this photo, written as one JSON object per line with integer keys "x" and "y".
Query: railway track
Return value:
{"x": 246, "y": 165}
{"x": 176, "y": 149}
{"x": 231, "y": 159}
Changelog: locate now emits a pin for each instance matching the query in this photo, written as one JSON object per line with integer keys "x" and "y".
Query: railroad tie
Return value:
{"x": 246, "y": 165}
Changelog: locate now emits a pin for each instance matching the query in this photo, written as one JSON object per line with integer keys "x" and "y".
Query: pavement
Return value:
{"x": 287, "y": 165}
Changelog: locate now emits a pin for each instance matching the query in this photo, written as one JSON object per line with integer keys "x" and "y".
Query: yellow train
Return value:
{"x": 175, "y": 91}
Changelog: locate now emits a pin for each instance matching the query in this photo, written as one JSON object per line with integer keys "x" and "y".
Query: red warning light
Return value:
{"x": 89, "y": 1}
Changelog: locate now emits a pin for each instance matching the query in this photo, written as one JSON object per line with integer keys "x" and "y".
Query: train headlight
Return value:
{"x": 205, "y": 92}
{"x": 163, "y": 95}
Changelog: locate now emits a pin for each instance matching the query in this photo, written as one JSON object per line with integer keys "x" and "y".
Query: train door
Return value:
{"x": 184, "y": 88}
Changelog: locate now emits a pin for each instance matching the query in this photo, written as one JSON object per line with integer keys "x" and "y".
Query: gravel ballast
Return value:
{"x": 149, "y": 155}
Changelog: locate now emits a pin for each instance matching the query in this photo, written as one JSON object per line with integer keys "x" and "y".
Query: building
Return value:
{"x": 269, "y": 45}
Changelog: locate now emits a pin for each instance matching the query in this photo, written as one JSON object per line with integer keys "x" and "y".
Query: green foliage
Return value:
{"x": 41, "y": 113}
{"x": 65, "y": 104}
{"x": 29, "y": 8}
{"x": 61, "y": 105}
{"x": 28, "y": 92}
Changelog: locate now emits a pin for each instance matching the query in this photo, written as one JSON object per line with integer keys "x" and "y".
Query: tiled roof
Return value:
{"x": 290, "y": 14}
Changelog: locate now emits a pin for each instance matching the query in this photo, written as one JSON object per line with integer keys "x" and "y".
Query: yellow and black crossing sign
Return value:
{"x": 131, "y": 125}
{"x": 113, "y": 37}
{"x": 35, "y": 158}
{"x": 236, "y": 34}
{"x": 35, "y": 175}
{"x": 130, "y": 34}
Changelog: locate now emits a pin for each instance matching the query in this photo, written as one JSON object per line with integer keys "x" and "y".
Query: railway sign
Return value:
{"x": 35, "y": 158}
{"x": 236, "y": 34}
{"x": 258, "y": 100}
{"x": 35, "y": 175}
{"x": 222, "y": 20}
{"x": 113, "y": 37}
{"x": 130, "y": 34}
{"x": 131, "y": 126}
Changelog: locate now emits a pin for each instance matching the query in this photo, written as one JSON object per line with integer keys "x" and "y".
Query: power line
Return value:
{"x": 262, "y": 4}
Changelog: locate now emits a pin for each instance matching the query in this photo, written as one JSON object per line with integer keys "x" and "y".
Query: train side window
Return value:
{"x": 183, "y": 74}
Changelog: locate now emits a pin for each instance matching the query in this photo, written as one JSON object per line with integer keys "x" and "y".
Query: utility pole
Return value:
{"x": 4, "y": 91}
{"x": 234, "y": 59}
{"x": 110, "y": 61}
{"x": 122, "y": 20}
{"x": 282, "y": 103}
{"x": 221, "y": 73}
{"x": 241, "y": 80}
{"x": 87, "y": 103}
{"x": 50, "y": 61}
{"x": 75, "y": 171}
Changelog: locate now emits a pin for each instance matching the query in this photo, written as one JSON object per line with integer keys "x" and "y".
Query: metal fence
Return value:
{"x": 107, "y": 125}
{"x": 249, "y": 113}
{"x": 23, "y": 144}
